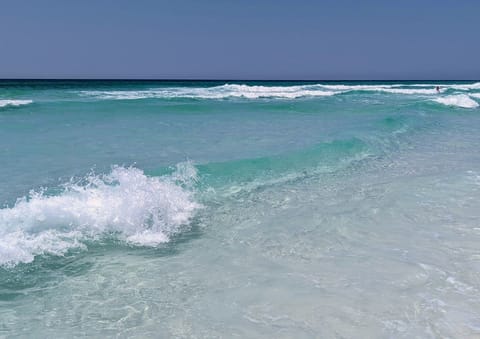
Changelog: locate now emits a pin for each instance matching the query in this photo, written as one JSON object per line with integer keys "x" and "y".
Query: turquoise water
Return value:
{"x": 239, "y": 209}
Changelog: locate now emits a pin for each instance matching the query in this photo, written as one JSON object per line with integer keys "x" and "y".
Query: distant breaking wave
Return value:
{"x": 217, "y": 92}
{"x": 460, "y": 100}
{"x": 13, "y": 103}
{"x": 282, "y": 92}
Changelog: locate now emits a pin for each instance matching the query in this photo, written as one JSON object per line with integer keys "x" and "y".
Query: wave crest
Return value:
{"x": 216, "y": 92}
{"x": 280, "y": 92}
{"x": 14, "y": 103}
{"x": 138, "y": 209}
{"x": 460, "y": 100}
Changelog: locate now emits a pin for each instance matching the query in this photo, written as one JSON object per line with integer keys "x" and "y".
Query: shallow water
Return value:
{"x": 206, "y": 209}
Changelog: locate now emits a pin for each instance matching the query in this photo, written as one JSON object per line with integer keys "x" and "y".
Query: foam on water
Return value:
{"x": 459, "y": 100}
{"x": 281, "y": 92}
{"x": 217, "y": 92}
{"x": 14, "y": 103}
{"x": 136, "y": 208}
{"x": 465, "y": 87}
{"x": 392, "y": 89}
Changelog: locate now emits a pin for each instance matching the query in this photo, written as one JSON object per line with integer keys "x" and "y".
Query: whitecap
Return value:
{"x": 13, "y": 103}
{"x": 216, "y": 92}
{"x": 280, "y": 92}
{"x": 126, "y": 203}
{"x": 393, "y": 89}
{"x": 464, "y": 87}
{"x": 459, "y": 100}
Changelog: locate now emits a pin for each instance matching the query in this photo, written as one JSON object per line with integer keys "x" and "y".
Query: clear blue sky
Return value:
{"x": 233, "y": 39}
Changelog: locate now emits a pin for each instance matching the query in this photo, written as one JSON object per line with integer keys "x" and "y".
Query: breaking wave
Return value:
{"x": 460, "y": 100}
{"x": 125, "y": 203}
{"x": 217, "y": 92}
{"x": 13, "y": 103}
{"x": 282, "y": 92}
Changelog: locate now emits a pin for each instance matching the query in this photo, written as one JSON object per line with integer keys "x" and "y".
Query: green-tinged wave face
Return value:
{"x": 249, "y": 209}
{"x": 234, "y": 175}
{"x": 324, "y": 157}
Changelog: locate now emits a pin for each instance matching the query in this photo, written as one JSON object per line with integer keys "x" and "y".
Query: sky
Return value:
{"x": 234, "y": 39}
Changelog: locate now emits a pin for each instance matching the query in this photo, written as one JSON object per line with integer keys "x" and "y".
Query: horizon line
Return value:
{"x": 223, "y": 79}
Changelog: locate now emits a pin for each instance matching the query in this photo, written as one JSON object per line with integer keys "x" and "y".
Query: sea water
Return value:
{"x": 239, "y": 209}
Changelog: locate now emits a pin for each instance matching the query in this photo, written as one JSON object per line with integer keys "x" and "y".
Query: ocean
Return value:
{"x": 222, "y": 209}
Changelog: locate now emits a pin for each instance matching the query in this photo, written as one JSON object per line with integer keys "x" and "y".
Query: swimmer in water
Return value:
{"x": 438, "y": 89}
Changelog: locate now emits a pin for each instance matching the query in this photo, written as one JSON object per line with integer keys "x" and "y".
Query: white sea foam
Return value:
{"x": 459, "y": 100}
{"x": 136, "y": 208}
{"x": 403, "y": 88}
{"x": 217, "y": 92}
{"x": 408, "y": 90}
{"x": 474, "y": 95}
{"x": 7, "y": 102}
{"x": 464, "y": 87}
{"x": 284, "y": 92}
{"x": 394, "y": 89}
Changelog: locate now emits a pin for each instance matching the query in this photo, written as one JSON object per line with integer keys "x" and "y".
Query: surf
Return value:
{"x": 460, "y": 100}
{"x": 14, "y": 103}
{"x": 264, "y": 91}
{"x": 125, "y": 203}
